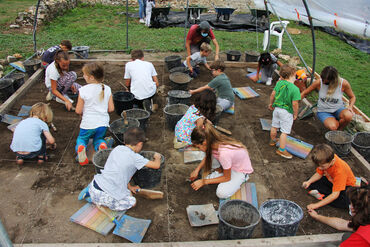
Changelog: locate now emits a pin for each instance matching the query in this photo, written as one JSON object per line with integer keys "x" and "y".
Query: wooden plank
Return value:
{"x": 21, "y": 91}
{"x": 360, "y": 158}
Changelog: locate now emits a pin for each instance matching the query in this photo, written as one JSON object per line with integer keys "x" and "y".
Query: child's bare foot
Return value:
{"x": 42, "y": 159}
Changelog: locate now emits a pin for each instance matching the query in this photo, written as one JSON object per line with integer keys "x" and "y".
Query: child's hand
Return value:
{"x": 305, "y": 184}
{"x": 133, "y": 189}
{"x": 68, "y": 105}
{"x": 54, "y": 146}
{"x": 157, "y": 156}
{"x": 191, "y": 92}
{"x": 198, "y": 184}
{"x": 312, "y": 206}
{"x": 270, "y": 107}
{"x": 313, "y": 213}
{"x": 294, "y": 117}
{"x": 194, "y": 175}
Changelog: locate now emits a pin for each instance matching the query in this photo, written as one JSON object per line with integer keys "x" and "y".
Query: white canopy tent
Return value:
{"x": 349, "y": 16}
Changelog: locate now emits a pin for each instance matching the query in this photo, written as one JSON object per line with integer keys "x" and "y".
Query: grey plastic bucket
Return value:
{"x": 280, "y": 218}
{"x": 179, "y": 97}
{"x": 118, "y": 128}
{"x": 123, "y": 101}
{"x": 6, "y": 88}
{"x": 172, "y": 61}
{"x": 100, "y": 158}
{"x": 147, "y": 177}
{"x": 18, "y": 80}
{"x": 174, "y": 113}
{"x": 237, "y": 220}
{"x": 31, "y": 66}
{"x": 340, "y": 141}
{"x": 83, "y": 51}
{"x": 139, "y": 114}
{"x": 179, "y": 80}
{"x": 233, "y": 55}
{"x": 251, "y": 56}
{"x": 361, "y": 142}
{"x": 181, "y": 69}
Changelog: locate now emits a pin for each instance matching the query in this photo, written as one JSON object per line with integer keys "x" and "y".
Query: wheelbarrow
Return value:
{"x": 224, "y": 13}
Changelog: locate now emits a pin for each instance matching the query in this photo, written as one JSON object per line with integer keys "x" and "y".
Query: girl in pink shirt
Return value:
{"x": 227, "y": 161}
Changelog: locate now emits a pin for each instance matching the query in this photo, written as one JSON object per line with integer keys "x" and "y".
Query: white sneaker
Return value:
{"x": 214, "y": 174}
{"x": 141, "y": 21}
{"x": 269, "y": 81}
{"x": 49, "y": 96}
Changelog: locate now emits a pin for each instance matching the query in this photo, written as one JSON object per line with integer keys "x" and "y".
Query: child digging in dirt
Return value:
{"x": 141, "y": 79}
{"x": 94, "y": 102}
{"x": 203, "y": 108}
{"x": 221, "y": 84}
{"x": 284, "y": 102}
{"x": 109, "y": 188}
{"x": 32, "y": 134}
{"x": 192, "y": 62}
{"x": 332, "y": 176}
{"x": 227, "y": 161}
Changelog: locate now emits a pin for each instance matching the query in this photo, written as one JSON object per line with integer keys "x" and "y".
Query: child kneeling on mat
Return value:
{"x": 109, "y": 188}
{"x": 203, "y": 108}
{"x": 32, "y": 134}
{"x": 284, "y": 102}
{"x": 220, "y": 84}
{"x": 333, "y": 175}
{"x": 226, "y": 163}
{"x": 94, "y": 103}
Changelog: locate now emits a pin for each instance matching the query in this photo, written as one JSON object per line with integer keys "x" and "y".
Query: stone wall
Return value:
{"x": 48, "y": 10}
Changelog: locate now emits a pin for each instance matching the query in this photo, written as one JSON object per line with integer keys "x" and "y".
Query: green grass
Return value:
{"x": 9, "y": 10}
{"x": 101, "y": 27}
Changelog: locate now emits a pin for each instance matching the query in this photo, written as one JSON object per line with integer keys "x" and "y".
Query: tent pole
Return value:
{"x": 268, "y": 25}
{"x": 127, "y": 25}
{"x": 186, "y": 22}
{"x": 35, "y": 26}
{"x": 313, "y": 41}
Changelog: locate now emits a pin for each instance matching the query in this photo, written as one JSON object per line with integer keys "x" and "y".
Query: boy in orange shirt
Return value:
{"x": 332, "y": 176}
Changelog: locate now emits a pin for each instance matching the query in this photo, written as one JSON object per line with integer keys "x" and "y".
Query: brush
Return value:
{"x": 111, "y": 217}
{"x": 150, "y": 194}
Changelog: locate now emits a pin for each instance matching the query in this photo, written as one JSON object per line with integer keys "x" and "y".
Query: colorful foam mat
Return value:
{"x": 247, "y": 192}
{"x": 18, "y": 65}
{"x": 297, "y": 147}
{"x": 10, "y": 119}
{"x": 245, "y": 92}
{"x": 91, "y": 217}
{"x": 132, "y": 229}
{"x": 24, "y": 111}
{"x": 231, "y": 110}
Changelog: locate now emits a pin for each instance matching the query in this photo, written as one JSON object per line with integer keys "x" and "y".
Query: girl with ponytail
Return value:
{"x": 226, "y": 163}
{"x": 94, "y": 103}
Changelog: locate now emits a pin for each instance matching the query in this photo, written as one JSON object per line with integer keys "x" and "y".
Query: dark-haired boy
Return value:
{"x": 141, "y": 79}
{"x": 48, "y": 55}
{"x": 108, "y": 188}
{"x": 220, "y": 84}
{"x": 332, "y": 176}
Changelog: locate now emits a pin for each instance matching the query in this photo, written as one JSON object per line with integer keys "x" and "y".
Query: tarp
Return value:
{"x": 350, "y": 16}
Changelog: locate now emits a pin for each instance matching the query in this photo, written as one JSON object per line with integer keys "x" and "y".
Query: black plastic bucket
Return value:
{"x": 139, "y": 114}
{"x": 147, "y": 177}
{"x": 31, "y": 66}
{"x": 174, "y": 113}
{"x": 251, "y": 56}
{"x": 179, "y": 97}
{"x": 118, "y": 127}
{"x": 172, "y": 61}
{"x": 181, "y": 69}
{"x": 340, "y": 141}
{"x": 123, "y": 101}
{"x": 83, "y": 51}
{"x": 179, "y": 80}
{"x": 237, "y": 220}
{"x": 361, "y": 142}
{"x": 6, "y": 88}
{"x": 280, "y": 218}
{"x": 18, "y": 80}
{"x": 233, "y": 55}
{"x": 100, "y": 158}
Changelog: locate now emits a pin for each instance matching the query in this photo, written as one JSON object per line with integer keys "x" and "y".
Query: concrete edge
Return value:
{"x": 319, "y": 239}
{"x": 21, "y": 91}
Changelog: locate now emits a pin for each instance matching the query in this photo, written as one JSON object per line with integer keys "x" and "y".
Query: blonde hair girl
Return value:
{"x": 94, "y": 103}
{"x": 32, "y": 134}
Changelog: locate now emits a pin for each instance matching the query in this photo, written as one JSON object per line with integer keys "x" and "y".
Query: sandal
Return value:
{"x": 42, "y": 159}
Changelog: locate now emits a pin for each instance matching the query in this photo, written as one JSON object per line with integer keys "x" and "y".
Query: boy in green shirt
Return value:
{"x": 284, "y": 102}
{"x": 220, "y": 84}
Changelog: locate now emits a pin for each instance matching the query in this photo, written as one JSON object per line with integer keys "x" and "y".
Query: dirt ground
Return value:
{"x": 37, "y": 200}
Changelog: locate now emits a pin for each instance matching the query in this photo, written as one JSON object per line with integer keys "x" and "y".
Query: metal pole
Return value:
{"x": 35, "y": 26}
{"x": 268, "y": 24}
{"x": 186, "y": 21}
{"x": 127, "y": 24}
{"x": 313, "y": 42}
